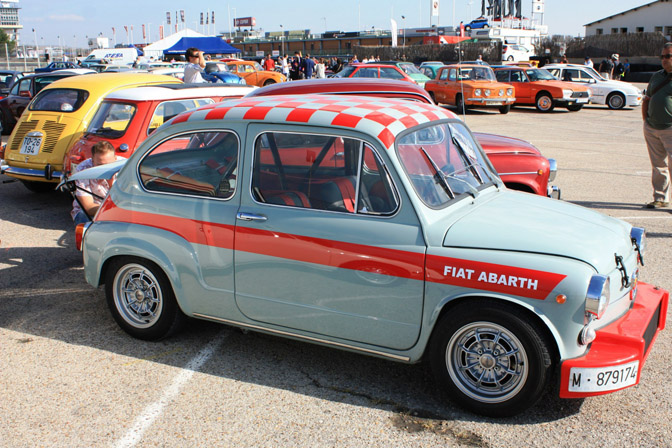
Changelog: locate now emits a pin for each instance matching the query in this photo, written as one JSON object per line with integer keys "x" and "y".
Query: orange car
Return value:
{"x": 253, "y": 73}
{"x": 538, "y": 87}
{"x": 470, "y": 85}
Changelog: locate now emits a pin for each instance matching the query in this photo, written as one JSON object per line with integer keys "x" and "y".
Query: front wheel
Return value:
{"x": 39, "y": 187}
{"x": 544, "y": 102}
{"x": 489, "y": 360}
{"x": 574, "y": 107}
{"x": 141, "y": 299}
{"x": 269, "y": 82}
{"x": 504, "y": 109}
{"x": 616, "y": 101}
{"x": 433, "y": 96}
{"x": 459, "y": 104}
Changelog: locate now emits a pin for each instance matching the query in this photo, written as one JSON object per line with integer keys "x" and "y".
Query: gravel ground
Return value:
{"x": 70, "y": 377}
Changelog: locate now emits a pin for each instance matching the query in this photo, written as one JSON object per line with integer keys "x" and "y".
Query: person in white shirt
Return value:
{"x": 320, "y": 69}
{"x": 588, "y": 62}
{"x": 285, "y": 66}
{"x": 195, "y": 65}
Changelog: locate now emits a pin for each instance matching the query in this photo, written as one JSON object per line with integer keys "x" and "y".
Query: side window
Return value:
{"x": 366, "y": 72}
{"x": 571, "y": 75}
{"x": 24, "y": 85}
{"x": 200, "y": 164}
{"x": 503, "y": 76}
{"x": 389, "y": 72}
{"x": 517, "y": 76}
{"x": 321, "y": 172}
{"x": 168, "y": 109}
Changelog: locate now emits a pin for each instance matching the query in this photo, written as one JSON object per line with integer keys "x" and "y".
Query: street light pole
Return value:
{"x": 282, "y": 40}
{"x": 403, "y": 25}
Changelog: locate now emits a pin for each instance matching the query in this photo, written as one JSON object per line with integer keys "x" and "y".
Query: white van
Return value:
{"x": 117, "y": 56}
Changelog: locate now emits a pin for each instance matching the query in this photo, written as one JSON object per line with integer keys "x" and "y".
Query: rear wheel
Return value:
{"x": 459, "y": 104}
{"x": 510, "y": 58}
{"x": 39, "y": 187}
{"x": 141, "y": 299}
{"x": 269, "y": 82}
{"x": 616, "y": 101}
{"x": 544, "y": 102}
{"x": 489, "y": 360}
{"x": 504, "y": 109}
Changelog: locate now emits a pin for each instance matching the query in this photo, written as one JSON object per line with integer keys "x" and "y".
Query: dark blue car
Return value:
{"x": 60, "y": 65}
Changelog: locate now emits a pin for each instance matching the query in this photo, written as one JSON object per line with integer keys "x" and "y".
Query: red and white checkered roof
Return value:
{"x": 383, "y": 118}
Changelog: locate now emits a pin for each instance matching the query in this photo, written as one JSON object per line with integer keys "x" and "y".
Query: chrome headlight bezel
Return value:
{"x": 638, "y": 238}
{"x": 597, "y": 296}
{"x": 487, "y": 92}
{"x": 477, "y": 92}
{"x": 509, "y": 92}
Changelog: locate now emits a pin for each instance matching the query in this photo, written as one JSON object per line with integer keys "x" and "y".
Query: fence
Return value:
{"x": 464, "y": 51}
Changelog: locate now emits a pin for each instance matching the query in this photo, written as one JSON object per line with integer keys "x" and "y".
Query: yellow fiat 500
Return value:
{"x": 55, "y": 120}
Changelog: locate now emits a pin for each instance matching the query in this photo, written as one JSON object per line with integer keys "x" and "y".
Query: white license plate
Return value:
{"x": 31, "y": 145}
{"x": 582, "y": 100}
{"x": 496, "y": 103}
{"x": 602, "y": 379}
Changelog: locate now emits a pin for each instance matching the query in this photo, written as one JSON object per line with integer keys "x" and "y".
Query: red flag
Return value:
{"x": 126, "y": 28}
{"x": 160, "y": 32}
{"x": 143, "y": 32}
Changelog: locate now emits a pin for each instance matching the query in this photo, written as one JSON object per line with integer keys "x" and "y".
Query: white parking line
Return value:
{"x": 154, "y": 410}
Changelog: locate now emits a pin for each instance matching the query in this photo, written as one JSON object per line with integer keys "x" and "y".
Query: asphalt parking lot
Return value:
{"x": 70, "y": 377}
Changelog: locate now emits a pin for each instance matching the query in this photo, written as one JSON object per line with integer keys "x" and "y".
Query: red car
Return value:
{"x": 126, "y": 117}
{"x": 374, "y": 71}
{"x": 520, "y": 165}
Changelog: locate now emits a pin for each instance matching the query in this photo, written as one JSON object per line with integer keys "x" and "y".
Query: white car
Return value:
{"x": 515, "y": 53}
{"x": 615, "y": 94}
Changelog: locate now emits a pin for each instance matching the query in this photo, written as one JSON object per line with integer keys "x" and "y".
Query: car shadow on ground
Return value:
{"x": 60, "y": 305}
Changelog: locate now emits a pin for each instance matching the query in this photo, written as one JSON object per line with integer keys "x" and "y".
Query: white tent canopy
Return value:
{"x": 156, "y": 49}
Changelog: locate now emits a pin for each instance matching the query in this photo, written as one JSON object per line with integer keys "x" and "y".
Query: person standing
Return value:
{"x": 606, "y": 68}
{"x": 588, "y": 62}
{"x": 320, "y": 69}
{"x": 284, "y": 65}
{"x": 193, "y": 71}
{"x": 269, "y": 64}
{"x": 657, "y": 115}
{"x": 308, "y": 66}
{"x": 91, "y": 193}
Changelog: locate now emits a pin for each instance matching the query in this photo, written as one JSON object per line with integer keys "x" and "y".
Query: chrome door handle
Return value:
{"x": 250, "y": 217}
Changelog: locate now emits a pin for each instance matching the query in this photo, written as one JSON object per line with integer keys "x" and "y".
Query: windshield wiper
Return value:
{"x": 466, "y": 158}
{"x": 438, "y": 175}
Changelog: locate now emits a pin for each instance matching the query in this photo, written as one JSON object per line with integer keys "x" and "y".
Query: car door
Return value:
{"x": 323, "y": 242}
{"x": 21, "y": 96}
{"x": 523, "y": 87}
{"x": 442, "y": 86}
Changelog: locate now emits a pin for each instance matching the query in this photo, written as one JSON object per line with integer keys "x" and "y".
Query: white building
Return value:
{"x": 651, "y": 17}
{"x": 9, "y": 18}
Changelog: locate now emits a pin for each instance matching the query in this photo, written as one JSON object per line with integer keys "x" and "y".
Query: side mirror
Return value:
{"x": 25, "y": 93}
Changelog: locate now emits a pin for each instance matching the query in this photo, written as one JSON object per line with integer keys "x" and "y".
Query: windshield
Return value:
{"x": 539, "y": 74}
{"x": 477, "y": 73}
{"x": 591, "y": 71}
{"x": 346, "y": 72}
{"x": 410, "y": 69}
{"x": 112, "y": 119}
{"x": 444, "y": 162}
{"x": 59, "y": 100}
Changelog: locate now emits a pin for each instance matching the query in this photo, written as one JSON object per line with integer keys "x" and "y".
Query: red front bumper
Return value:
{"x": 628, "y": 339}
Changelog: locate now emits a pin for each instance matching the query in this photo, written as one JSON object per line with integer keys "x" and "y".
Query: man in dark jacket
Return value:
{"x": 308, "y": 66}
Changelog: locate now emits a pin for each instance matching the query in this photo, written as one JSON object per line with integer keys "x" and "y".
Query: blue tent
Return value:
{"x": 208, "y": 45}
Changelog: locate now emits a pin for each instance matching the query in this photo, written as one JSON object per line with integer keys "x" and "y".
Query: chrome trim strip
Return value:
{"x": 30, "y": 172}
{"x": 511, "y": 174}
{"x": 307, "y": 338}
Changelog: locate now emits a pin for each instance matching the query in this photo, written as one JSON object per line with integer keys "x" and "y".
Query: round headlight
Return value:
{"x": 501, "y": 92}
{"x": 487, "y": 92}
{"x": 509, "y": 92}
{"x": 597, "y": 296}
{"x": 477, "y": 92}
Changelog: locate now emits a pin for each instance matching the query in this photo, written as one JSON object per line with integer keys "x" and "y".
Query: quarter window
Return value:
{"x": 200, "y": 164}
{"x": 321, "y": 172}
{"x": 59, "y": 100}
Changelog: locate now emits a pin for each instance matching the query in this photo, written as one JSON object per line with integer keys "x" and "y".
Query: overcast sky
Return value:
{"x": 71, "y": 21}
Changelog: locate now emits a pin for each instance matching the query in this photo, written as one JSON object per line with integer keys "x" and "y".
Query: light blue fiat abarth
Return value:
{"x": 378, "y": 226}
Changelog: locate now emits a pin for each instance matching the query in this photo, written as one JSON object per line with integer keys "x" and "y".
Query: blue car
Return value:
{"x": 218, "y": 72}
{"x": 478, "y": 23}
{"x": 60, "y": 65}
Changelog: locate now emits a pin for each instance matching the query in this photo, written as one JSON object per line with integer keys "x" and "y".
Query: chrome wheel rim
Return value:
{"x": 487, "y": 362}
{"x": 616, "y": 101}
{"x": 544, "y": 103}
{"x": 138, "y": 296}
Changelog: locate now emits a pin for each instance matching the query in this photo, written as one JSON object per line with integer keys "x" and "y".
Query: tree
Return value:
{"x": 5, "y": 39}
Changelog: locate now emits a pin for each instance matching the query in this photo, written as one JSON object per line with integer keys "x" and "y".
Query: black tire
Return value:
{"x": 510, "y": 58}
{"x": 467, "y": 28}
{"x": 459, "y": 104}
{"x": 616, "y": 101}
{"x": 574, "y": 107}
{"x": 269, "y": 82}
{"x": 472, "y": 370}
{"x": 128, "y": 279}
{"x": 544, "y": 102}
{"x": 504, "y": 109}
{"x": 39, "y": 187}
{"x": 431, "y": 94}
